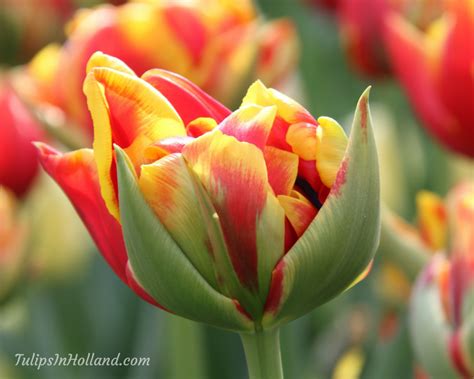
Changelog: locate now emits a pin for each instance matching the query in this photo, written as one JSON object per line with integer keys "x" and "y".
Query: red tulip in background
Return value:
{"x": 436, "y": 70}
{"x": 18, "y": 128}
{"x": 362, "y": 24}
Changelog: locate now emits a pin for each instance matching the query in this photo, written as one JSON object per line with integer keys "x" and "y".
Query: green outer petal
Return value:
{"x": 342, "y": 239}
{"x": 429, "y": 329}
{"x": 161, "y": 267}
{"x": 270, "y": 242}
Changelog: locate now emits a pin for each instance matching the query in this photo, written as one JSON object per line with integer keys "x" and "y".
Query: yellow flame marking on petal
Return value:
{"x": 331, "y": 143}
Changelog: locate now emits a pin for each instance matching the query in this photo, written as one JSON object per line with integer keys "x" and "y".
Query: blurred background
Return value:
{"x": 60, "y": 296}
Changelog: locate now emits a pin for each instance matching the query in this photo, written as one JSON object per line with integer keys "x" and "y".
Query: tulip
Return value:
{"x": 18, "y": 158}
{"x": 244, "y": 220}
{"x": 438, "y": 78}
{"x": 218, "y": 45}
{"x": 363, "y": 22}
{"x": 12, "y": 244}
{"x": 442, "y": 316}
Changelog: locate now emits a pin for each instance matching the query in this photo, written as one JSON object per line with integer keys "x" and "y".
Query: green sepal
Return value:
{"x": 160, "y": 266}
{"x": 342, "y": 239}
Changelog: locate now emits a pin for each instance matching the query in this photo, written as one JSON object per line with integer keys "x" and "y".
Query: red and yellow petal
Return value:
{"x": 299, "y": 211}
{"x": 234, "y": 175}
{"x": 188, "y": 99}
{"x": 99, "y": 59}
{"x": 406, "y": 44}
{"x": 77, "y": 175}
{"x": 278, "y": 51}
{"x": 331, "y": 144}
{"x": 129, "y": 112}
{"x": 282, "y": 168}
{"x": 164, "y": 147}
{"x": 287, "y": 109}
{"x": 302, "y": 139}
{"x": 250, "y": 124}
{"x": 200, "y": 125}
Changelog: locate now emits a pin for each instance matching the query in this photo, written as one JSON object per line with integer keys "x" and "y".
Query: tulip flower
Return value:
{"x": 438, "y": 80}
{"x": 244, "y": 220}
{"x": 363, "y": 22}
{"x": 442, "y": 316}
{"x": 12, "y": 244}
{"x": 220, "y": 46}
{"x": 18, "y": 128}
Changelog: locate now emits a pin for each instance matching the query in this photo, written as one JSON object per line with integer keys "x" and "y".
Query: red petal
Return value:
{"x": 18, "y": 157}
{"x": 188, "y": 99}
{"x": 404, "y": 45}
{"x": 76, "y": 174}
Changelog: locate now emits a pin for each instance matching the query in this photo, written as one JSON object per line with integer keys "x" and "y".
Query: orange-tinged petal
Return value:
{"x": 136, "y": 107}
{"x": 299, "y": 211}
{"x": 302, "y": 139}
{"x": 432, "y": 219}
{"x": 164, "y": 147}
{"x": 250, "y": 123}
{"x": 99, "y": 59}
{"x": 234, "y": 175}
{"x": 282, "y": 168}
{"x": 331, "y": 143}
{"x": 200, "y": 125}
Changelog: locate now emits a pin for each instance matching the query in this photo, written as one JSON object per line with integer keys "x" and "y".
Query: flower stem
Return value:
{"x": 262, "y": 351}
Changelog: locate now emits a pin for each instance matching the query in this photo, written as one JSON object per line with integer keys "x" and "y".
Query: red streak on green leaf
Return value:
{"x": 276, "y": 288}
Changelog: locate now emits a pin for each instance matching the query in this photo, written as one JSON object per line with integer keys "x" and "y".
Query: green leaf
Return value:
{"x": 161, "y": 267}
{"x": 343, "y": 237}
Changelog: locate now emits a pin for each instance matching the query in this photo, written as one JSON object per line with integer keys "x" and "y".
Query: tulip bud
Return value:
{"x": 441, "y": 308}
{"x": 18, "y": 128}
{"x": 12, "y": 244}
{"x": 243, "y": 220}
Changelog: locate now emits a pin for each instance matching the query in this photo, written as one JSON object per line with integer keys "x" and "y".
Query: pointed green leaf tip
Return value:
{"x": 342, "y": 239}
{"x": 161, "y": 267}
